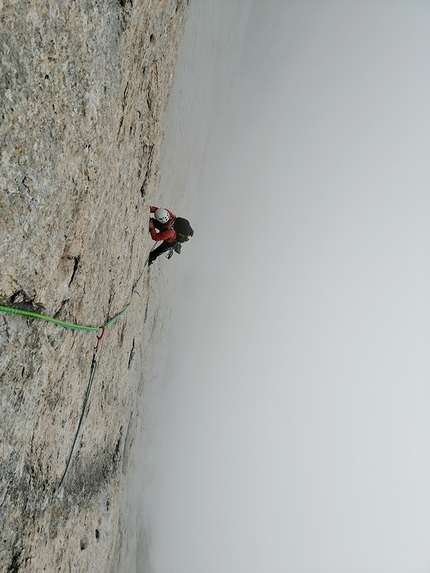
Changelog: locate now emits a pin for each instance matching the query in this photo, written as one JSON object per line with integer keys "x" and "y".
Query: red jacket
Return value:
{"x": 167, "y": 233}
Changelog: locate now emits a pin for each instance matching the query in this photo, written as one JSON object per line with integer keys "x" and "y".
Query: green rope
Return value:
{"x": 94, "y": 361}
{"x": 92, "y": 373}
{"x": 110, "y": 321}
{"x": 71, "y": 324}
{"x": 49, "y": 318}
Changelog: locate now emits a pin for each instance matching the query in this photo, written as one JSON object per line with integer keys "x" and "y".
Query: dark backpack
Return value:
{"x": 182, "y": 229}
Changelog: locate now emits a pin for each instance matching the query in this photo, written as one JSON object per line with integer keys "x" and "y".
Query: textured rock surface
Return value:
{"x": 83, "y": 87}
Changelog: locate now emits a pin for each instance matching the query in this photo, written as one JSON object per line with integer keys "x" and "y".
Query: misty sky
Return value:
{"x": 293, "y": 433}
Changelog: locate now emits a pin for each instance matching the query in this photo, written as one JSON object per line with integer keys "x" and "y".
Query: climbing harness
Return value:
{"x": 101, "y": 330}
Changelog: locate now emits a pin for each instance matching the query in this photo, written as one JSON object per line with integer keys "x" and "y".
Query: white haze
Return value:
{"x": 292, "y": 404}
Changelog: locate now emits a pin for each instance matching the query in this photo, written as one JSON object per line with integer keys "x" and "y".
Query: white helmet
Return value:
{"x": 162, "y": 216}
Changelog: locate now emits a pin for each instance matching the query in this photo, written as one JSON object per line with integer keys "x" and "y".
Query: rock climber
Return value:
{"x": 171, "y": 230}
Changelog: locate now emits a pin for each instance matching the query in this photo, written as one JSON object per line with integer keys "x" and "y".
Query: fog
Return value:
{"x": 291, "y": 409}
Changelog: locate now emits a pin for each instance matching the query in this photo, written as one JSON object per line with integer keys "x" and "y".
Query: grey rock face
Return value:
{"x": 83, "y": 88}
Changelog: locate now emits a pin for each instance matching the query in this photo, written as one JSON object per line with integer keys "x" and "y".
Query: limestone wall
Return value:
{"x": 83, "y": 88}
